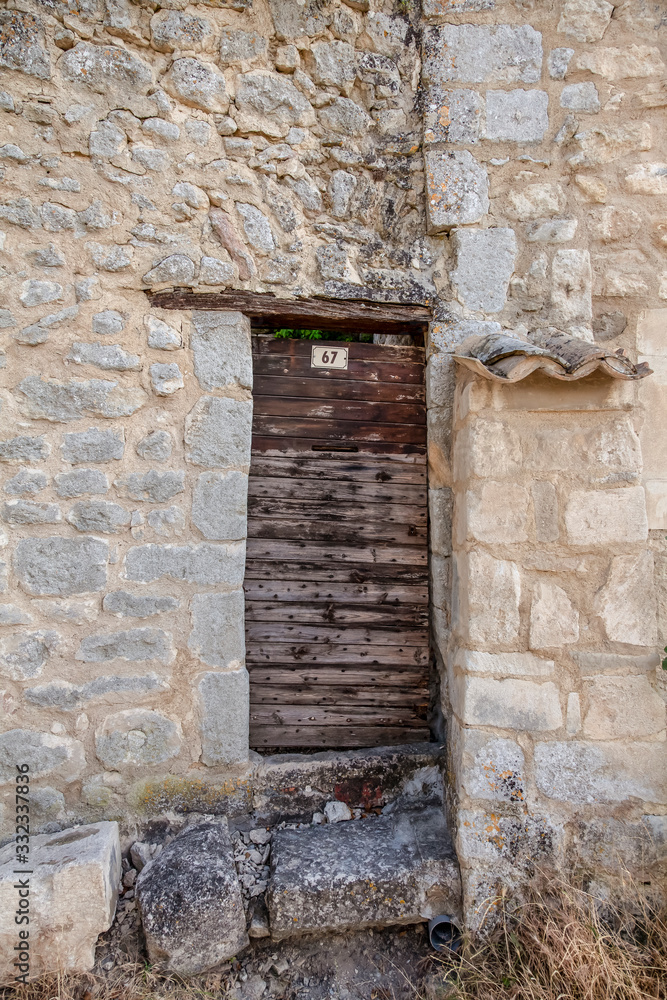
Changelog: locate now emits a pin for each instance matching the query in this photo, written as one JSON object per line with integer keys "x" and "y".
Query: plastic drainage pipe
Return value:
{"x": 445, "y": 934}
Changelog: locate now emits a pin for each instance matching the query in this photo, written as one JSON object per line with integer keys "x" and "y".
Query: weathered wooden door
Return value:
{"x": 336, "y": 577}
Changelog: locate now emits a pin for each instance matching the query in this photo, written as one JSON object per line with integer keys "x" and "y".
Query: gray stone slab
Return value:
{"x": 484, "y": 265}
{"x": 63, "y": 401}
{"x": 218, "y": 432}
{"x": 457, "y": 188}
{"x": 206, "y": 563}
{"x": 61, "y": 565}
{"x": 190, "y": 902}
{"x": 516, "y": 115}
{"x": 395, "y": 869}
{"x": 222, "y": 355}
{"x": 476, "y": 53}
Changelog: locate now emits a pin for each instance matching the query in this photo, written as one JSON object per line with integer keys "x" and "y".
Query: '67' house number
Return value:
{"x": 328, "y": 357}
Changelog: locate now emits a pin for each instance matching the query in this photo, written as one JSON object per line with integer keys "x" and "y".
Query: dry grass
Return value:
{"x": 563, "y": 944}
{"x": 560, "y": 944}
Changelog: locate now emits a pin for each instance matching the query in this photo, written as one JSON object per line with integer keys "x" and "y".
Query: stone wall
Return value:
{"x": 501, "y": 160}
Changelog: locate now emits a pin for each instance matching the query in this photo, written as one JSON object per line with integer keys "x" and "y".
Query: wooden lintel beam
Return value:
{"x": 328, "y": 314}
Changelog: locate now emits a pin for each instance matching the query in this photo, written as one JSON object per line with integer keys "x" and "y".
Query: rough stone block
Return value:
{"x": 220, "y": 342}
{"x": 63, "y": 401}
{"x": 11, "y": 615}
{"x": 213, "y": 271}
{"x": 604, "y": 842}
{"x": 22, "y": 44}
{"x": 24, "y": 448}
{"x": 596, "y": 773}
{"x": 585, "y": 20}
{"x": 102, "y": 67}
{"x": 333, "y": 64}
{"x": 321, "y": 874}
{"x": 488, "y": 449}
{"x": 26, "y": 482}
{"x": 66, "y": 697}
{"x": 137, "y": 737}
{"x": 73, "y": 891}
{"x": 605, "y": 143}
{"x": 615, "y": 663}
{"x": 39, "y": 293}
{"x": 558, "y": 62}
{"x": 205, "y": 564}
{"x": 134, "y": 644}
{"x": 45, "y": 754}
{"x": 628, "y": 63}
{"x": 218, "y": 432}
{"x": 217, "y": 637}
{"x": 493, "y": 838}
{"x": 23, "y": 654}
{"x": 580, "y": 97}
{"x": 652, "y": 330}
{"x": 29, "y": 512}
{"x": 345, "y": 117}
{"x": 93, "y": 445}
{"x": 475, "y": 53}
{"x": 507, "y": 704}
{"x": 172, "y": 29}
{"x": 604, "y": 517}
{"x": 626, "y": 603}
{"x": 536, "y": 201}
{"x": 553, "y": 619}
{"x": 495, "y": 512}
{"x": 108, "y": 323}
{"x": 151, "y": 487}
{"x": 488, "y": 593}
{"x": 99, "y": 516}
{"x": 73, "y": 613}
{"x": 197, "y": 85}
{"x": 61, "y": 565}
{"x": 622, "y": 708}
{"x": 177, "y": 269}
{"x": 190, "y": 902}
{"x": 453, "y": 116}
{"x": 125, "y": 605}
{"x": 224, "y": 712}
{"x": 489, "y": 767}
{"x": 155, "y": 447}
{"x": 484, "y": 265}
{"x": 166, "y": 379}
{"x": 545, "y": 505}
{"x": 503, "y": 664}
{"x": 81, "y": 482}
{"x": 269, "y": 103}
{"x": 108, "y": 357}
{"x": 516, "y": 115}
{"x": 161, "y": 336}
{"x": 571, "y": 289}
{"x": 457, "y": 189}
{"x": 220, "y": 505}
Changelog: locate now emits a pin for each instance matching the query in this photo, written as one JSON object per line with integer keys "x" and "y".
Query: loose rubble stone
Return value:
{"x": 176, "y": 269}
{"x": 204, "y": 564}
{"x": 197, "y": 85}
{"x": 217, "y": 432}
{"x": 190, "y": 902}
{"x": 220, "y": 505}
{"x": 161, "y": 336}
{"x": 99, "y": 516}
{"x": 108, "y": 357}
{"x": 137, "y": 737}
{"x": 626, "y": 603}
{"x": 23, "y": 654}
{"x": 585, "y": 20}
{"x": 239, "y": 47}
{"x": 321, "y": 874}
{"x": 516, "y": 115}
{"x": 63, "y": 401}
{"x": 166, "y": 379}
{"x": 93, "y": 445}
{"x": 81, "y": 482}
{"x": 44, "y": 753}
{"x": 269, "y": 103}
{"x": 221, "y": 346}
{"x": 217, "y": 637}
{"x": 108, "y": 323}
{"x": 224, "y": 708}
{"x": 24, "y": 448}
{"x": 172, "y": 29}
{"x": 26, "y": 483}
{"x": 29, "y": 512}
{"x": 553, "y": 619}
{"x": 580, "y": 97}
{"x": 103, "y": 66}
{"x": 337, "y": 812}
{"x": 78, "y": 871}
{"x": 151, "y": 487}
{"x": 622, "y": 708}
{"x": 125, "y": 605}
{"x": 61, "y": 565}
{"x": 484, "y": 266}
{"x": 22, "y": 44}
{"x": 135, "y": 644}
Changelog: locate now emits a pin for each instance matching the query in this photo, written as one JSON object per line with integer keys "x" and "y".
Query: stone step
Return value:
{"x": 391, "y": 869}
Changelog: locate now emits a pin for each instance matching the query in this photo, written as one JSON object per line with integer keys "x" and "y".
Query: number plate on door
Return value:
{"x": 328, "y": 357}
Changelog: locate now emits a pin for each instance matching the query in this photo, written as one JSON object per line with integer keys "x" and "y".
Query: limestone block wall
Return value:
{"x": 122, "y": 647}
{"x": 557, "y": 741}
